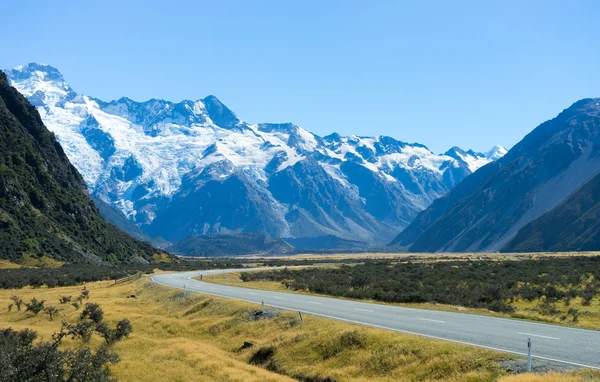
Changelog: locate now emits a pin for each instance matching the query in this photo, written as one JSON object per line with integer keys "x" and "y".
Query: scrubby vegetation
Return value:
{"x": 493, "y": 285}
{"x": 22, "y": 359}
{"x": 74, "y": 274}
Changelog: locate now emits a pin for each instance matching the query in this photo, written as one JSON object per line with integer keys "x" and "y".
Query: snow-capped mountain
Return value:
{"x": 193, "y": 167}
{"x": 496, "y": 153}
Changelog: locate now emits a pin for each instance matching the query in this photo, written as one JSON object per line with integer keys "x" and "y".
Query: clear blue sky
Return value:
{"x": 467, "y": 73}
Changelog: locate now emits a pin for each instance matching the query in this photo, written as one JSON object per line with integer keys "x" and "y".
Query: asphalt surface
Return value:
{"x": 576, "y": 347}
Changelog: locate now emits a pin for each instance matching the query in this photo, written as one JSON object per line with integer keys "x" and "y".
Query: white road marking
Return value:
{"x": 427, "y": 319}
{"x": 364, "y": 310}
{"x": 538, "y": 335}
{"x": 254, "y": 294}
{"x": 312, "y": 302}
{"x": 281, "y": 298}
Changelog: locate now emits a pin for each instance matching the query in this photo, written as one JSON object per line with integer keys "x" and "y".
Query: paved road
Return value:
{"x": 572, "y": 346}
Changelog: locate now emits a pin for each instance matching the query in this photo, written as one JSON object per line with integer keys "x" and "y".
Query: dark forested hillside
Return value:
{"x": 44, "y": 205}
{"x": 573, "y": 225}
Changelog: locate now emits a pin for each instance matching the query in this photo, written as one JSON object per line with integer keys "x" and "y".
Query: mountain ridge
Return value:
{"x": 488, "y": 208}
{"x": 146, "y": 158}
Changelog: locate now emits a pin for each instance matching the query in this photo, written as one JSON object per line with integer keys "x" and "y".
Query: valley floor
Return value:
{"x": 200, "y": 337}
{"x": 589, "y": 317}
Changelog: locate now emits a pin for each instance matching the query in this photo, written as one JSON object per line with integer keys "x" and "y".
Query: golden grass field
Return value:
{"x": 5, "y": 264}
{"x": 198, "y": 338}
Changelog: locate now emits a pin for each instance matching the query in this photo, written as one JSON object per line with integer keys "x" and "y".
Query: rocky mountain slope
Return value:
{"x": 573, "y": 225}
{"x": 194, "y": 168}
{"x": 487, "y": 209}
{"x": 44, "y": 204}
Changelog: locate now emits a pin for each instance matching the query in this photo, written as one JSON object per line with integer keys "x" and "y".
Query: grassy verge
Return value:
{"x": 589, "y": 316}
{"x": 200, "y": 337}
{"x": 5, "y": 264}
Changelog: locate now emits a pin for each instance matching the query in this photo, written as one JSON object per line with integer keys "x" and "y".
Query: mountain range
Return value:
{"x": 194, "y": 168}
{"x": 45, "y": 210}
{"x": 542, "y": 195}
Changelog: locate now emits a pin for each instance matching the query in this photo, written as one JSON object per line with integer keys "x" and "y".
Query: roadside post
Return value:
{"x": 263, "y": 307}
{"x": 301, "y": 318}
{"x": 529, "y": 355}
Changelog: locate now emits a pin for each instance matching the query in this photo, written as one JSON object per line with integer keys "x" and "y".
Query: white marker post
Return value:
{"x": 263, "y": 307}
{"x": 184, "y": 292}
{"x": 529, "y": 355}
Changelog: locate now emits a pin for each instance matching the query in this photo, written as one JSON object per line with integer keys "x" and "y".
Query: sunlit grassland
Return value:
{"x": 199, "y": 337}
{"x": 5, "y": 264}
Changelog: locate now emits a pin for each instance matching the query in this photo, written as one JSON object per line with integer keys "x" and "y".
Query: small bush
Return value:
{"x": 263, "y": 357}
{"x": 93, "y": 312}
{"x": 35, "y": 306}
{"x": 17, "y": 301}
{"x": 52, "y": 312}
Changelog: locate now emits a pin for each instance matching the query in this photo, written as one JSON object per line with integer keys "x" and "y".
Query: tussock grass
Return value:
{"x": 5, "y": 264}
{"x": 31, "y": 260}
{"x": 200, "y": 338}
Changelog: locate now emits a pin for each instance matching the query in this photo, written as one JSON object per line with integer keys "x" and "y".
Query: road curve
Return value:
{"x": 578, "y": 347}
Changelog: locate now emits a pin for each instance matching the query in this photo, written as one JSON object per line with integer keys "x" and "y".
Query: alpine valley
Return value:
{"x": 194, "y": 168}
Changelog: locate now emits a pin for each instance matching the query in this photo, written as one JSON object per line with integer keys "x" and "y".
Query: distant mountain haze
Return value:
{"x": 194, "y": 168}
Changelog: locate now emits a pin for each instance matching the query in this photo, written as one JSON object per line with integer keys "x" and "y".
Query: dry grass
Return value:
{"x": 199, "y": 338}
{"x": 30, "y": 260}
{"x": 5, "y": 264}
{"x": 403, "y": 255}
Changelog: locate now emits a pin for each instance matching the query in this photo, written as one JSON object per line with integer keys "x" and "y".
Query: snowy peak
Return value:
{"x": 496, "y": 153}
{"x": 471, "y": 159}
{"x": 475, "y": 160}
{"x": 39, "y": 71}
{"x": 41, "y": 83}
{"x": 219, "y": 113}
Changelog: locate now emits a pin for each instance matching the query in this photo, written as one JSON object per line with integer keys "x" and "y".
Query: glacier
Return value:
{"x": 158, "y": 161}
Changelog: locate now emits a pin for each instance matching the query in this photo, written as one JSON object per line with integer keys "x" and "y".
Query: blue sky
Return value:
{"x": 466, "y": 73}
